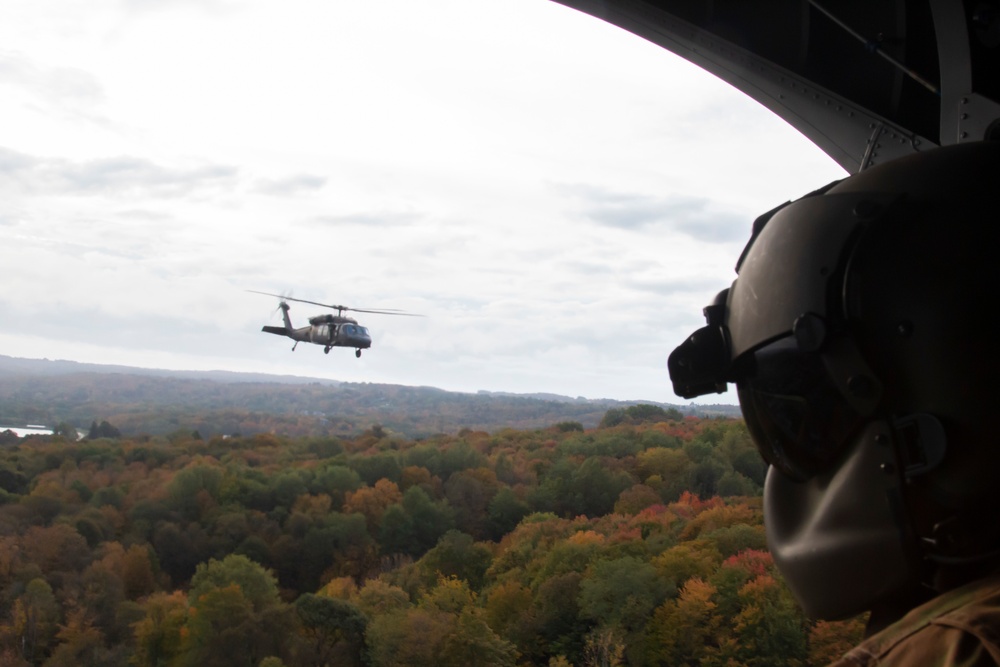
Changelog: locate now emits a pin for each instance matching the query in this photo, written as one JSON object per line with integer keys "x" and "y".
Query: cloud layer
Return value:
{"x": 560, "y": 198}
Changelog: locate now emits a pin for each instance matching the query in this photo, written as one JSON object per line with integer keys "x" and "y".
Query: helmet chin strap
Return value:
{"x": 841, "y": 538}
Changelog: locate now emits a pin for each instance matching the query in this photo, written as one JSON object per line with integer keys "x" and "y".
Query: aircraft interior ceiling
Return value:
{"x": 866, "y": 80}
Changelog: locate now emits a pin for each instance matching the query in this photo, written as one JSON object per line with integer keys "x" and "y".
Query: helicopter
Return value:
{"x": 328, "y": 330}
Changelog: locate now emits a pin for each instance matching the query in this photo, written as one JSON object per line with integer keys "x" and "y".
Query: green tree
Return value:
{"x": 36, "y": 614}
{"x": 257, "y": 585}
{"x": 505, "y": 511}
{"x": 176, "y": 552}
{"x": 733, "y": 483}
{"x": 336, "y": 481}
{"x": 556, "y": 621}
{"x": 236, "y": 616}
{"x": 103, "y": 593}
{"x": 334, "y": 627}
{"x": 470, "y": 492}
{"x": 102, "y": 430}
{"x": 622, "y": 592}
{"x": 472, "y": 643}
{"x": 66, "y": 430}
{"x": 458, "y": 555}
{"x": 195, "y": 489}
{"x": 221, "y": 629}
{"x": 431, "y": 519}
{"x": 408, "y": 637}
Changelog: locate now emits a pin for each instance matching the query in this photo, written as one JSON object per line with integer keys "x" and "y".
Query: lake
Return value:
{"x": 30, "y": 429}
{"x": 35, "y": 429}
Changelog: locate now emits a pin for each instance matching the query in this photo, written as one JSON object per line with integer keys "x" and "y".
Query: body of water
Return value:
{"x": 30, "y": 429}
{"x": 35, "y": 429}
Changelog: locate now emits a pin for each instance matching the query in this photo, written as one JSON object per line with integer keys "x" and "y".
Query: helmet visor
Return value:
{"x": 799, "y": 420}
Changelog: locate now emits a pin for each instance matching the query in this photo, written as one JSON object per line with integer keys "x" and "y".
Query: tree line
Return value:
{"x": 160, "y": 404}
{"x": 639, "y": 542}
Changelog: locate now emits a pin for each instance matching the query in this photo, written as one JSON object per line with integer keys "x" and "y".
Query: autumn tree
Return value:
{"x": 378, "y": 598}
{"x": 769, "y": 624}
{"x": 636, "y": 498}
{"x": 685, "y": 631}
{"x": 605, "y": 647}
{"x": 371, "y": 502}
{"x": 80, "y": 644}
{"x": 507, "y": 604}
{"x": 158, "y": 635}
{"x": 691, "y": 559}
{"x": 830, "y": 640}
{"x": 580, "y": 547}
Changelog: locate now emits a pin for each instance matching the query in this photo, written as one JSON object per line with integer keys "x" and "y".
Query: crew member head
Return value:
{"x": 862, "y": 335}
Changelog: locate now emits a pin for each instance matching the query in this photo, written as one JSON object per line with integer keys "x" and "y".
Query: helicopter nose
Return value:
{"x": 360, "y": 340}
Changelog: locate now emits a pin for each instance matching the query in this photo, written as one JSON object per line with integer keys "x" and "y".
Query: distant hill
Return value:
{"x": 160, "y": 402}
{"x": 17, "y": 367}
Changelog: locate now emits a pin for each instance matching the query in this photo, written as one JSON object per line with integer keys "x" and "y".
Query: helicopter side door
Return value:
{"x": 323, "y": 334}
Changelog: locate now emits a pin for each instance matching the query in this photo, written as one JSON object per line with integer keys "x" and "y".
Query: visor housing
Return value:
{"x": 780, "y": 334}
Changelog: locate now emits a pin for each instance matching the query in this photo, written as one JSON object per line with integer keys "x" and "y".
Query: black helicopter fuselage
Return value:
{"x": 327, "y": 330}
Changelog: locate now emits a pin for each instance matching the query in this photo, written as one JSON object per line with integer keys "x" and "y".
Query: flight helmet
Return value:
{"x": 862, "y": 336}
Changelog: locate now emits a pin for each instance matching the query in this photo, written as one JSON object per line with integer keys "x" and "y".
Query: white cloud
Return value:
{"x": 559, "y": 197}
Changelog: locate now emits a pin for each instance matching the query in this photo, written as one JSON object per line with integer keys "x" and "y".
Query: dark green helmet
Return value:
{"x": 861, "y": 333}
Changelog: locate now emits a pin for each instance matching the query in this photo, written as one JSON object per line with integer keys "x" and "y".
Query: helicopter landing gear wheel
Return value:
{"x": 326, "y": 349}
{"x": 357, "y": 353}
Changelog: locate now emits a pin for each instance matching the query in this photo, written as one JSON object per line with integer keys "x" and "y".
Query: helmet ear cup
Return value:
{"x": 837, "y": 537}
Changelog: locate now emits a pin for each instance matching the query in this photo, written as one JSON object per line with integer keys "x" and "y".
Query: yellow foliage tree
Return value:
{"x": 159, "y": 635}
{"x": 685, "y": 631}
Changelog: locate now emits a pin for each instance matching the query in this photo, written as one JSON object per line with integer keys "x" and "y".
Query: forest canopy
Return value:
{"x": 636, "y": 543}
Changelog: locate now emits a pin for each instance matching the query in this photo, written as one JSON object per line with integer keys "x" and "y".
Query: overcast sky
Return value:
{"x": 559, "y": 197}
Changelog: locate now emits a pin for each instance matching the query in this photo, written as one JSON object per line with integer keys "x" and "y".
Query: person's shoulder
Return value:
{"x": 960, "y": 628}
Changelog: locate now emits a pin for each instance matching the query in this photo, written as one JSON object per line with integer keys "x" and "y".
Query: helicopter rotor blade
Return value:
{"x": 383, "y": 311}
{"x": 386, "y": 311}
{"x": 292, "y": 298}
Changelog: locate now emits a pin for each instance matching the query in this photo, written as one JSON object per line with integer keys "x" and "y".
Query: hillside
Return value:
{"x": 158, "y": 402}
